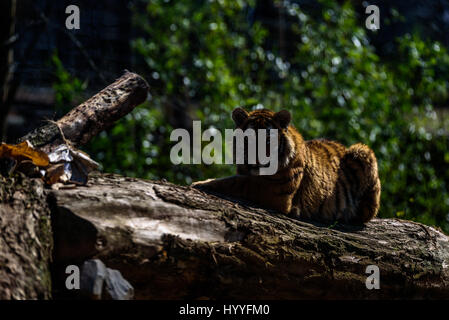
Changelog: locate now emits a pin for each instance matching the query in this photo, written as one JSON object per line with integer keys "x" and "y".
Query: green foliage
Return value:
{"x": 208, "y": 55}
{"x": 67, "y": 88}
{"x": 345, "y": 93}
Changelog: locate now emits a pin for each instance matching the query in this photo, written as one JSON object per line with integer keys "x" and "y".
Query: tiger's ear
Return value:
{"x": 283, "y": 117}
{"x": 239, "y": 116}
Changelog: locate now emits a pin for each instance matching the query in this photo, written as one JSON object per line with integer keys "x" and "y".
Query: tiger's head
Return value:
{"x": 266, "y": 119}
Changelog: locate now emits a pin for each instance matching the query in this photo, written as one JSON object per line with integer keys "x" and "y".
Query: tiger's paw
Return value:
{"x": 295, "y": 213}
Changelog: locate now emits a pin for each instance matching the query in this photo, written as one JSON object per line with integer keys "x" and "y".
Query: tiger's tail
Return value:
{"x": 360, "y": 159}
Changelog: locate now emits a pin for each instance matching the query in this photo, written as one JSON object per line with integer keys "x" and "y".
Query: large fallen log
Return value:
{"x": 173, "y": 242}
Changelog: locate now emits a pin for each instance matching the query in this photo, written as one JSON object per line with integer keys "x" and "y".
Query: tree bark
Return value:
{"x": 25, "y": 232}
{"x": 173, "y": 242}
{"x": 25, "y": 239}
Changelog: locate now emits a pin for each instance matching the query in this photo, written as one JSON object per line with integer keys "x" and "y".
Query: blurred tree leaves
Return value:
{"x": 204, "y": 58}
{"x": 67, "y": 89}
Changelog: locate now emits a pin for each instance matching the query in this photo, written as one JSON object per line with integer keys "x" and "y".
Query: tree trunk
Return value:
{"x": 173, "y": 242}
{"x": 25, "y": 239}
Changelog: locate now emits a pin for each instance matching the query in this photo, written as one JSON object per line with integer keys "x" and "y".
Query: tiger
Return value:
{"x": 319, "y": 179}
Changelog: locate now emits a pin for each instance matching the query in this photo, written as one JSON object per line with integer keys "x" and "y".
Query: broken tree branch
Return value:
{"x": 94, "y": 115}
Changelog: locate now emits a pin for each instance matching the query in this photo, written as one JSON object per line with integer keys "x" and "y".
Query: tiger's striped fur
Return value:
{"x": 318, "y": 179}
